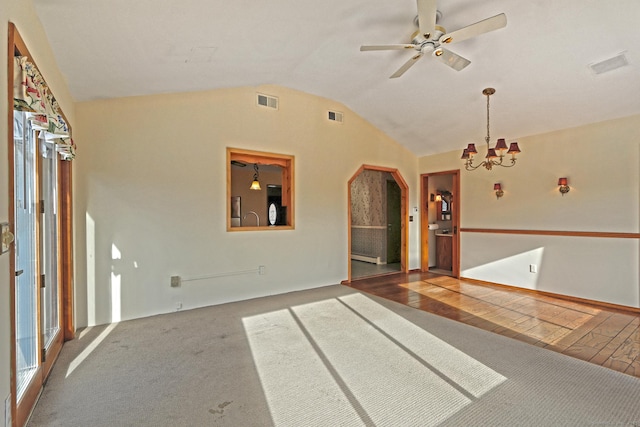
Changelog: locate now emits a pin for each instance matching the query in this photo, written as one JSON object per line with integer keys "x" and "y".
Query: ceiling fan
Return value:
{"x": 430, "y": 38}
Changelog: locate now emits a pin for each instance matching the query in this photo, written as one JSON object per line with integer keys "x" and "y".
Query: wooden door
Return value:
{"x": 394, "y": 222}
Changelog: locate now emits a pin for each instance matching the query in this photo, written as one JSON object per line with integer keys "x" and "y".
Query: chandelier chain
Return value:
{"x": 487, "y": 139}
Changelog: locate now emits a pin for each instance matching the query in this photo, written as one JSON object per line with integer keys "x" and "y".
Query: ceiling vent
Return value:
{"x": 268, "y": 101}
{"x": 335, "y": 116}
{"x": 610, "y": 64}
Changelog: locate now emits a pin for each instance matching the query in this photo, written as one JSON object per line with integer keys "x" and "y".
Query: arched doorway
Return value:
{"x": 378, "y": 216}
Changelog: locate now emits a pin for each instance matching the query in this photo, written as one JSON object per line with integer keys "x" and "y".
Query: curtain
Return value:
{"x": 31, "y": 94}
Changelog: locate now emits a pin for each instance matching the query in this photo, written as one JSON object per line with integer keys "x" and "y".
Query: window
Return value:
{"x": 271, "y": 206}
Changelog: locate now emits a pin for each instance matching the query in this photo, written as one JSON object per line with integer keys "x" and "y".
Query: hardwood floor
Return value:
{"x": 605, "y": 336}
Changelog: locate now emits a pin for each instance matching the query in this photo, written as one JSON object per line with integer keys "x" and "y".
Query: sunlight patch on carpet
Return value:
{"x": 320, "y": 362}
{"x": 89, "y": 349}
{"x": 298, "y": 388}
{"x": 464, "y": 370}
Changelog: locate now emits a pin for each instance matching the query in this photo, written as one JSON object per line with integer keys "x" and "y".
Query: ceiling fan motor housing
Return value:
{"x": 424, "y": 45}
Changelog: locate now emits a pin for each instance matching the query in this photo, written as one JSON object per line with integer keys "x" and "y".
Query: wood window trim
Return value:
{"x": 286, "y": 162}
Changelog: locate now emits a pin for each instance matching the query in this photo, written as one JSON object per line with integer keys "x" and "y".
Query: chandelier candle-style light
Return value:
{"x": 495, "y": 156}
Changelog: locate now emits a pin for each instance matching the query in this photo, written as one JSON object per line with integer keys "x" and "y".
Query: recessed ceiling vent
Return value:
{"x": 268, "y": 101}
{"x": 610, "y": 64}
{"x": 335, "y": 116}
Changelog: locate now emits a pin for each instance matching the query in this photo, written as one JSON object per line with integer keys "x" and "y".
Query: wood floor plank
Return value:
{"x": 629, "y": 350}
{"x": 587, "y": 346}
{"x": 602, "y": 335}
{"x": 634, "y": 368}
{"x": 581, "y": 331}
{"x": 614, "y": 324}
{"x": 613, "y": 345}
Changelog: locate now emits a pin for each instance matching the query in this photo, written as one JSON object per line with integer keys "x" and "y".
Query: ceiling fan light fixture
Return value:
{"x": 438, "y": 52}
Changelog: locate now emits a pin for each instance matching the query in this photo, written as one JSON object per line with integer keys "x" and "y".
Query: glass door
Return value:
{"x": 49, "y": 245}
{"x": 38, "y": 337}
{"x": 26, "y": 254}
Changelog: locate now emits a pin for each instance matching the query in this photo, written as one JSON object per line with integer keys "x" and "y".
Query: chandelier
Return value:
{"x": 495, "y": 156}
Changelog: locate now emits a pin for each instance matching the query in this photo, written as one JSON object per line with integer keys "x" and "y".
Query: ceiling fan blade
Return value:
{"x": 387, "y": 47}
{"x": 427, "y": 16}
{"x": 481, "y": 27}
{"x": 451, "y": 59}
{"x": 406, "y": 65}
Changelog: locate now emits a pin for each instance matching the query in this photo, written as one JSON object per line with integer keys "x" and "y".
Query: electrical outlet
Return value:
{"x": 178, "y": 306}
{"x": 533, "y": 268}
{"x": 176, "y": 282}
{"x": 261, "y": 270}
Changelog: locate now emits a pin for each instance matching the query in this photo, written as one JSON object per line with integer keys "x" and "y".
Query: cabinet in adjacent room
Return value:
{"x": 444, "y": 252}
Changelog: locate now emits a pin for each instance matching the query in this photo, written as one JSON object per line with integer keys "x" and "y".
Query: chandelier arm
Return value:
{"x": 513, "y": 163}
{"x": 468, "y": 166}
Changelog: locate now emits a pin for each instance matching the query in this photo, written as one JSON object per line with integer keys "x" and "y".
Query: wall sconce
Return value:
{"x": 564, "y": 188}
{"x": 438, "y": 197}
{"x": 497, "y": 187}
{"x": 255, "y": 185}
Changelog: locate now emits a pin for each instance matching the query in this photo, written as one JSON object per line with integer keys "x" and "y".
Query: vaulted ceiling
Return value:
{"x": 539, "y": 63}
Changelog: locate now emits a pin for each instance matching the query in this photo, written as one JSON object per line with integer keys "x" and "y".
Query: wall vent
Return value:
{"x": 268, "y": 101}
{"x": 618, "y": 61}
{"x": 335, "y": 116}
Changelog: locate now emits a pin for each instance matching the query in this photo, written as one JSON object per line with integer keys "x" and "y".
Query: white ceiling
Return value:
{"x": 538, "y": 63}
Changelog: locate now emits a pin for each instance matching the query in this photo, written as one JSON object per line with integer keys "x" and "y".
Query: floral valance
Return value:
{"x": 31, "y": 93}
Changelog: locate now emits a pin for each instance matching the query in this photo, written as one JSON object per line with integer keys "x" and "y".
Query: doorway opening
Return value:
{"x": 440, "y": 223}
{"x": 377, "y": 222}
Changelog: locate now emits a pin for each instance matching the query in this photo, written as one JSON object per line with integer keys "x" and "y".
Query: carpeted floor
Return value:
{"x": 324, "y": 357}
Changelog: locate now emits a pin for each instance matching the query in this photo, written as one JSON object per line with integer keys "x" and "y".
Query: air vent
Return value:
{"x": 268, "y": 101}
{"x": 335, "y": 116}
{"x": 610, "y": 64}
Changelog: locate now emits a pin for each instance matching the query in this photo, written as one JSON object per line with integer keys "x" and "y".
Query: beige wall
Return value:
{"x": 602, "y": 163}
{"x": 21, "y": 13}
{"x": 151, "y": 198}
